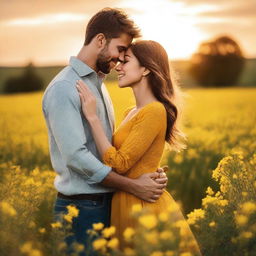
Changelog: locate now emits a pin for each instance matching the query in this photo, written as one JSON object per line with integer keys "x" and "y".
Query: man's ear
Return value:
{"x": 146, "y": 72}
{"x": 101, "y": 40}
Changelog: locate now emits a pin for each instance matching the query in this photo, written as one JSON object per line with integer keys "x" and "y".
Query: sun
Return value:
{"x": 172, "y": 24}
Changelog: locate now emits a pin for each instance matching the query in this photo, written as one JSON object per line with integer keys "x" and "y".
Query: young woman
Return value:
{"x": 139, "y": 141}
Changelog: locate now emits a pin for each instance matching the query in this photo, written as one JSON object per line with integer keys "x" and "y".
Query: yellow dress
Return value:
{"x": 137, "y": 149}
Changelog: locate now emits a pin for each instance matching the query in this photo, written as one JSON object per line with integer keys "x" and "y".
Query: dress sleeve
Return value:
{"x": 146, "y": 127}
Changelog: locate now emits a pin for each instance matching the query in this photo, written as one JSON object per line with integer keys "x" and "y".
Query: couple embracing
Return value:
{"x": 101, "y": 170}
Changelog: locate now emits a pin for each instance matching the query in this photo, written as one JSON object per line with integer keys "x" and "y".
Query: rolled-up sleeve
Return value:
{"x": 62, "y": 110}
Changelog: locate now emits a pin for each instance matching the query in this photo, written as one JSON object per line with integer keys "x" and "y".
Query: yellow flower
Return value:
{"x": 166, "y": 235}
{"x": 246, "y": 234}
{"x": 79, "y": 247}
{"x": 163, "y": 216}
{"x": 72, "y": 211}
{"x": 196, "y": 215}
{"x": 223, "y": 202}
{"x": 241, "y": 220}
{"x": 209, "y": 191}
{"x": 35, "y": 253}
{"x": 169, "y": 253}
{"x": 128, "y": 233}
{"x": 68, "y": 218}
{"x": 178, "y": 158}
{"x": 56, "y": 225}
{"x": 249, "y": 207}
{"x": 156, "y": 253}
{"x": 151, "y": 237}
{"x": 234, "y": 176}
{"x": 209, "y": 200}
{"x": 98, "y": 226}
{"x": 99, "y": 244}
{"x": 192, "y": 153}
{"x": 31, "y": 224}
{"x": 186, "y": 254}
{"x": 7, "y": 208}
{"x": 30, "y": 181}
{"x": 113, "y": 243}
{"x": 62, "y": 246}
{"x": 26, "y": 248}
{"x": 136, "y": 208}
{"x": 244, "y": 193}
{"x": 129, "y": 252}
{"x": 35, "y": 172}
{"x": 148, "y": 221}
{"x": 108, "y": 232}
{"x": 217, "y": 194}
{"x": 41, "y": 230}
{"x": 212, "y": 224}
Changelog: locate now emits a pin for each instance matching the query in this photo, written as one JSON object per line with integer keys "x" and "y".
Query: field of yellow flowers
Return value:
{"x": 213, "y": 180}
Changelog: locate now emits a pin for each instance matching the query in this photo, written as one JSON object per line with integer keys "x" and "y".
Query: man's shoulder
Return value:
{"x": 62, "y": 87}
{"x": 66, "y": 74}
{"x": 64, "y": 81}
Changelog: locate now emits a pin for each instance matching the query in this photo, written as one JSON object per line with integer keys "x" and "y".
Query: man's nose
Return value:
{"x": 118, "y": 67}
{"x": 121, "y": 56}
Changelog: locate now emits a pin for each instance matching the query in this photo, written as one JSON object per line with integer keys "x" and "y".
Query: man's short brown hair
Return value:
{"x": 112, "y": 22}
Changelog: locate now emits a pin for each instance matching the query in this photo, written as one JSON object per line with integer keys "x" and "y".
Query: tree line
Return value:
{"x": 218, "y": 63}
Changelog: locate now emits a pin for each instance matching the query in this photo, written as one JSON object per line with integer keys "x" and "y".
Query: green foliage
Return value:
{"x": 226, "y": 223}
{"x": 215, "y": 122}
{"x": 217, "y": 63}
{"x": 29, "y": 81}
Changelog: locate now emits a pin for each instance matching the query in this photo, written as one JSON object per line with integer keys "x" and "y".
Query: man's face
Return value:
{"x": 112, "y": 52}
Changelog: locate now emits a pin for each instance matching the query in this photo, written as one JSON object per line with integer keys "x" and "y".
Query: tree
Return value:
{"x": 28, "y": 82}
{"x": 218, "y": 62}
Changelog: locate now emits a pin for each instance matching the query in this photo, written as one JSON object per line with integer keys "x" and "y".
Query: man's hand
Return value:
{"x": 149, "y": 186}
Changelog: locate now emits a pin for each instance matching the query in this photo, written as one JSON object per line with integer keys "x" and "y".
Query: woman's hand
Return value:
{"x": 88, "y": 101}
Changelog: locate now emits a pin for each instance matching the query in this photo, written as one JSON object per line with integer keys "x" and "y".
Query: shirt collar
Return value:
{"x": 80, "y": 67}
{"x": 101, "y": 75}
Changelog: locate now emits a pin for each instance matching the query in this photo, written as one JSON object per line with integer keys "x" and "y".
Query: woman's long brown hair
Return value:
{"x": 153, "y": 56}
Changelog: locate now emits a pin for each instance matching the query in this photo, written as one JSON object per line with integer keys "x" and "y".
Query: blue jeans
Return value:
{"x": 89, "y": 212}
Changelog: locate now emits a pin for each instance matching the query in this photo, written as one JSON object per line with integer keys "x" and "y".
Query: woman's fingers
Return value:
{"x": 83, "y": 95}
{"x": 83, "y": 88}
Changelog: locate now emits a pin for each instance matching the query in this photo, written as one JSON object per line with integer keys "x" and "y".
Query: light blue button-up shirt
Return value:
{"x": 73, "y": 152}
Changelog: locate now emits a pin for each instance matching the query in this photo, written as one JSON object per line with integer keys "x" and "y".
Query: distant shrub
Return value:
{"x": 217, "y": 63}
{"x": 28, "y": 82}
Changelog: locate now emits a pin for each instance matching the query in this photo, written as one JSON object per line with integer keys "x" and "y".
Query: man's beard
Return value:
{"x": 103, "y": 61}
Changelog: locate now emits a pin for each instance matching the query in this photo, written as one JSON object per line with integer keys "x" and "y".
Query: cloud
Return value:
{"x": 31, "y": 8}
{"x": 242, "y": 10}
{"x": 45, "y": 31}
{"x": 46, "y": 19}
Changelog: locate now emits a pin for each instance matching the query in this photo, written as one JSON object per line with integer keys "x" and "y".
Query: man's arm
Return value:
{"x": 148, "y": 187}
{"x": 62, "y": 112}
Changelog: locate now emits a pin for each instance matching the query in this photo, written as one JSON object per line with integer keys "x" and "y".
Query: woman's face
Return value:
{"x": 130, "y": 72}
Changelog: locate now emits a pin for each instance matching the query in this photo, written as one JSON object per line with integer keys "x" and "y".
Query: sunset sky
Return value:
{"x": 49, "y": 32}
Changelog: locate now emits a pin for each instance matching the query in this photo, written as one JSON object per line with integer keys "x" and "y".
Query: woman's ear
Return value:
{"x": 146, "y": 72}
{"x": 101, "y": 40}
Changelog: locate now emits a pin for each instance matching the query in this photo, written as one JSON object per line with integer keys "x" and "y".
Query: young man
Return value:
{"x": 82, "y": 179}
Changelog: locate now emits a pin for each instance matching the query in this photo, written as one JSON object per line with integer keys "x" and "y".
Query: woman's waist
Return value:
{"x": 140, "y": 169}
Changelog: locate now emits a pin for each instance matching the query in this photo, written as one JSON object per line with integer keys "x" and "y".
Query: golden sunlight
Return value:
{"x": 48, "y": 33}
{"x": 172, "y": 24}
